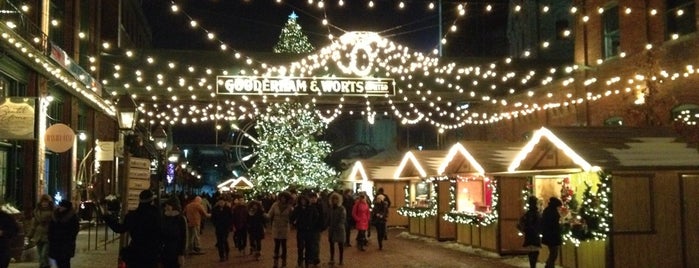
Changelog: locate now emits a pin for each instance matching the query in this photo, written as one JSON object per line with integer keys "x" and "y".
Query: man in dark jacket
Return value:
{"x": 551, "y": 230}
{"x": 143, "y": 226}
{"x": 348, "y": 203}
{"x": 8, "y": 230}
{"x": 63, "y": 230}
{"x": 305, "y": 217}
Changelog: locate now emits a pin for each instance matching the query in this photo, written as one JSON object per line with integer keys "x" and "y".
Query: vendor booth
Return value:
{"x": 645, "y": 178}
{"x": 424, "y": 206}
{"x": 473, "y": 191}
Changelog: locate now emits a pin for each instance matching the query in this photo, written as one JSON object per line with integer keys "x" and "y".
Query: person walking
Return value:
{"x": 62, "y": 232}
{"x": 194, "y": 212}
{"x": 361, "y": 215}
{"x": 8, "y": 230}
{"x": 41, "y": 218}
{"x": 240, "y": 222}
{"x": 206, "y": 204}
{"x": 222, "y": 218}
{"x": 530, "y": 225}
{"x": 380, "y": 191}
{"x": 320, "y": 224}
{"x": 551, "y": 230}
{"x": 348, "y": 203}
{"x": 173, "y": 234}
{"x": 143, "y": 226}
{"x": 279, "y": 215}
{"x": 379, "y": 214}
{"x": 256, "y": 227}
{"x": 337, "y": 220}
{"x": 304, "y": 218}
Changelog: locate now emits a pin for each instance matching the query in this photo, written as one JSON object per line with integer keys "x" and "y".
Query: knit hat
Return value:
{"x": 146, "y": 196}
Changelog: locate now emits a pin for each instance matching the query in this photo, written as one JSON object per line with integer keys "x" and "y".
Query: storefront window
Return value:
{"x": 470, "y": 196}
{"x": 422, "y": 194}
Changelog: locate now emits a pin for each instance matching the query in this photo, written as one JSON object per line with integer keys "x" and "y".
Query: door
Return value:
{"x": 690, "y": 217}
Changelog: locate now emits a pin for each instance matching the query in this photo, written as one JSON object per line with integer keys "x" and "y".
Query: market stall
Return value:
{"x": 645, "y": 178}
{"x": 423, "y": 205}
{"x": 473, "y": 190}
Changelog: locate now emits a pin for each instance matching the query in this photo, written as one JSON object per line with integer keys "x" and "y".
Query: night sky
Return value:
{"x": 255, "y": 25}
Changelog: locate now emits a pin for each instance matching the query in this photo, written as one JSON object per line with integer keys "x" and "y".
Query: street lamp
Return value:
{"x": 159, "y": 137}
{"x": 127, "y": 113}
{"x": 173, "y": 158}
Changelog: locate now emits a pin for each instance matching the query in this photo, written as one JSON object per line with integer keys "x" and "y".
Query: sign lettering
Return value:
{"x": 333, "y": 86}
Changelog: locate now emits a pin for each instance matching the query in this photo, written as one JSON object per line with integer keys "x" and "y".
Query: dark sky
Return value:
{"x": 255, "y": 25}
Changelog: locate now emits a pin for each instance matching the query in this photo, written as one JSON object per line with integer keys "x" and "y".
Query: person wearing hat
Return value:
{"x": 63, "y": 230}
{"x": 173, "y": 234}
{"x": 379, "y": 214}
{"x": 38, "y": 232}
{"x": 143, "y": 226}
{"x": 551, "y": 230}
{"x": 8, "y": 230}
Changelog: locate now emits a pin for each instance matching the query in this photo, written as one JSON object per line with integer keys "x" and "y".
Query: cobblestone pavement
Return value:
{"x": 400, "y": 250}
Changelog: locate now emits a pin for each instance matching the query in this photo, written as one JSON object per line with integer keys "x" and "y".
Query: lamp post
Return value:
{"x": 173, "y": 158}
{"x": 127, "y": 116}
{"x": 160, "y": 139}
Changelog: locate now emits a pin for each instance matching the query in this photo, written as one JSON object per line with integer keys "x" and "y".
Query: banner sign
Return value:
{"x": 325, "y": 86}
{"x": 62, "y": 58}
{"x": 17, "y": 118}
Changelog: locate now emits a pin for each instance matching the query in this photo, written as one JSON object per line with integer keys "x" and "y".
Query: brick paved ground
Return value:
{"x": 400, "y": 250}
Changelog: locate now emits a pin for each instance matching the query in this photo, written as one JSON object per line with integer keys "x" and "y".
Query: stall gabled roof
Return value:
{"x": 479, "y": 157}
{"x": 421, "y": 163}
{"x": 610, "y": 148}
{"x": 356, "y": 173}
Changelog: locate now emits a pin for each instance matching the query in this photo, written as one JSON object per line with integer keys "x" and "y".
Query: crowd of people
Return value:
{"x": 175, "y": 229}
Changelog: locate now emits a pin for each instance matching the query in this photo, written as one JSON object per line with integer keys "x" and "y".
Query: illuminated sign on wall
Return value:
{"x": 325, "y": 86}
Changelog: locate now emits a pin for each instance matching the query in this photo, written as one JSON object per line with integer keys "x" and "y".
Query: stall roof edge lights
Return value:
{"x": 409, "y": 156}
{"x": 544, "y": 132}
{"x": 459, "y": 148}
{"x": 358, "y": 168}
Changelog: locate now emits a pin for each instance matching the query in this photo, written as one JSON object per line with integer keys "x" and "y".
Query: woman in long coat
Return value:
{"x": 63, "y": 230}
{"x": 337, "y": 219}
{"x": 279, "y": 216}
{"x": 379, "y": 214}
{"x": 530, "y": 225}
{"x": 40, "y": 227}
{"x": 361, "y": 215}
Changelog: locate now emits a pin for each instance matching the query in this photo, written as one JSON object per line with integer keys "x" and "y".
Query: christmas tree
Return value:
{"x": 288, "y": 154}
{"x": 292, "y": 39}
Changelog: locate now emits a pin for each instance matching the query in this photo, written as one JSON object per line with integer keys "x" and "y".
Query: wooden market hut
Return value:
{"x": 423, "y": 205}
{"x": 475, "y": 206}
{"x": 647, "y": 179}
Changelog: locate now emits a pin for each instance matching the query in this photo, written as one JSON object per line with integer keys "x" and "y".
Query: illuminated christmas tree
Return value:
{"x": 288, "y": 153}
{"x": 292, "y": 39}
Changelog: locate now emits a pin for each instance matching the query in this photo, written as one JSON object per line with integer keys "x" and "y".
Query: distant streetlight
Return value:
{"x": 127, "y": 113}
{"x": 174, "y": 155}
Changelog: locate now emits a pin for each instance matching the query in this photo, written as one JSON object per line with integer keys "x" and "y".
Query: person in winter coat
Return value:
{"x": 222, "y": 218}
{"x": 379, "y": 214}
{"x": 194, "y": 212}
{"x": 279, "y": 215}
{"x": 40, "y": 227}
{"x": 240, "y": 224}
{"x": 348, "y": 203}
{"x": 551, "y": 230}
{"x": 256, "y": 227}
{"x": 337, "y": 220}
{"x": 361, "y": 215}
{"x": 8, "y": 230}
{"x": 173, "y": 234}
{"x": 530, "y": 225}
{"x": 304, "y": 217}
{"x": 143, "y": 226}
{"x": 63, "y": 230}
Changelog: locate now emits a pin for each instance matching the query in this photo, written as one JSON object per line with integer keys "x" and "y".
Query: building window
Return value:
{"x": 610, "y": 32}
{"x": 562, "y": 29}
{"x": 680, "y": 18}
